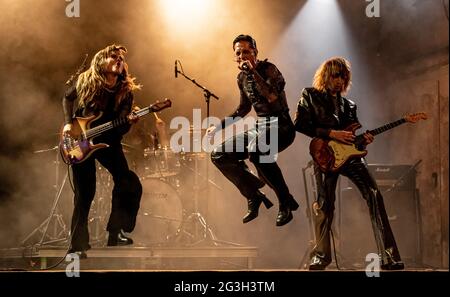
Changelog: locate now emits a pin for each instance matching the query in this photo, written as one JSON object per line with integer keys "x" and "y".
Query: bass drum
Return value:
{"x": 160, "y": 214}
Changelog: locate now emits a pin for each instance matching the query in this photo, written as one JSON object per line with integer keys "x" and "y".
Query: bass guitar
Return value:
{"x": 77, "y": 146}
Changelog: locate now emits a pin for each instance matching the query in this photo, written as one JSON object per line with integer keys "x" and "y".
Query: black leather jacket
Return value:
{"x": 316, "y": 115}
{"x": 256, "y": 88}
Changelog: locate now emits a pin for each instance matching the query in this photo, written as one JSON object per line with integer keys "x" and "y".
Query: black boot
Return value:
{"x": 391, "y": 262}
{"x": 285, "y": 212}
{"x": 79, "y": 250}
{"x": 118, "y": 238}
{"x": 318, "y": 262}
{"x": 80, "y": 254}
{"x": 393, "y": 266}
{"x": 253, "y": 206}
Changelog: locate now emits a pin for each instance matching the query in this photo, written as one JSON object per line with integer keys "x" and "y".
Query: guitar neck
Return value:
{"x": 386, "y": 127}
{"x": 96, "y": 131}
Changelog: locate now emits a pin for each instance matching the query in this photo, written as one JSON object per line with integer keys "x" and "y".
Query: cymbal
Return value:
{"x": 127, "y": 145}
{"x": 199, "y": 155}
{"x": 46, "y": 150}
{"x": 191, "y": 130}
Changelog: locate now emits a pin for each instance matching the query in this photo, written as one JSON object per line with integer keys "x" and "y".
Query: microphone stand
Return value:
{"x": 208, "y": 234}
{"x": 206, "y": 93}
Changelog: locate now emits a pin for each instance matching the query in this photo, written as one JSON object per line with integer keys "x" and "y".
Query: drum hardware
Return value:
{"x": 196, "y": 157}
{"x": 100, "y": 208}
{"x": 194, "y": 229}
{"x": 59, "y": 232}
{"x": 126, "y": 148}
{"x": 160, "y": 163}
{"x": 54, "y": 230}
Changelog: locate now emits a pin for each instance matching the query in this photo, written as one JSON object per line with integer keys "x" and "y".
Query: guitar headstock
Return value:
{"x": 415, "y": 117}
{"x": 158, "y": 106}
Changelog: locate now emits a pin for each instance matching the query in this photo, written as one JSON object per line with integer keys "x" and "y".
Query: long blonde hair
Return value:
{"x": 328, "y": 69}
{"x": 92, "y": 80}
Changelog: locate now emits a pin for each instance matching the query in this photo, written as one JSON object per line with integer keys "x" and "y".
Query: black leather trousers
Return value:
{"x": 230, "y": 156}
{"x": 356, "y": 170}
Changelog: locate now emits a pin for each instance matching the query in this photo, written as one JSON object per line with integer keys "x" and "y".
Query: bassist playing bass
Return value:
{"x": 105, "y": 87}
{"x": 323, "y": 113}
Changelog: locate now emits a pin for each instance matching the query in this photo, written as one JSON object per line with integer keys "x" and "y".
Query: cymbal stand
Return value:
{"x": 97, "y": 218}
{"x": 200, "y": 233}
{"x": 60, "y": 233}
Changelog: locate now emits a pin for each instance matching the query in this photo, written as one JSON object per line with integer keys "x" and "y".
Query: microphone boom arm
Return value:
{"x": 207, "y": 92}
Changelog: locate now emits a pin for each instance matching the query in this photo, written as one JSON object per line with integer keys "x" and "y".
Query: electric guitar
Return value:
{"x": 77, "y": 146}
{"x": 331, "y": 155}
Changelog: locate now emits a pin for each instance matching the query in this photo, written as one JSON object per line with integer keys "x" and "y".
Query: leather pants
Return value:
{"x": 231, "y": 162}
{"x": 356, "y": 170}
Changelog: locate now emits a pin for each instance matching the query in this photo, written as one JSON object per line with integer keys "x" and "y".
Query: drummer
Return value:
{"x": 161, "y": 133}
{"x": 140, "y": 138}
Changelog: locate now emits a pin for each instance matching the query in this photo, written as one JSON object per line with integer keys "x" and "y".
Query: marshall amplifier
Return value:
{"x": 394, "y": 177}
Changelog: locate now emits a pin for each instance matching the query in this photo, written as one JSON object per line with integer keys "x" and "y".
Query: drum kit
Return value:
{"x": 169, "y": 211}
{"x": 170, "y": 206}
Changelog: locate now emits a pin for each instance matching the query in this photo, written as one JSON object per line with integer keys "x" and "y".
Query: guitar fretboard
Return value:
{"x": 387, "y": 127}
{"x": 115, "y": 123}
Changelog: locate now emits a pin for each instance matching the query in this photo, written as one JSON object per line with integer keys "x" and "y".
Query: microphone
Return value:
{"x": 176, "y": 69}
{"x": 245, "y": 66}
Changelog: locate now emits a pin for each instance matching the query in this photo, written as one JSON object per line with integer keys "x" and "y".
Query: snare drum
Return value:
{"x": 161, "y": 162}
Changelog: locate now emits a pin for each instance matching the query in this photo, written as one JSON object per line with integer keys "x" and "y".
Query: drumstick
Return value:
{"x": 156, "y": 116}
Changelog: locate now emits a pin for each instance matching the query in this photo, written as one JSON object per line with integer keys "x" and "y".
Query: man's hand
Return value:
{"x": 246, "y": 66}
{"x": 342, "y": 136}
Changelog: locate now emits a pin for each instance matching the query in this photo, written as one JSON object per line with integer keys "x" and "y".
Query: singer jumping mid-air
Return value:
{"x": 262, "y": 86}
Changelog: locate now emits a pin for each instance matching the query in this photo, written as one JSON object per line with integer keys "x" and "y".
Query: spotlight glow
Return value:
{"x": 185, "y": 14}
{"x": 321, "y": 24}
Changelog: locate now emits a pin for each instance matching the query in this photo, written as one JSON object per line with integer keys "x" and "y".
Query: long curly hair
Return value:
{"x": 335, "y": 66}
{"x": 93, "y": 80}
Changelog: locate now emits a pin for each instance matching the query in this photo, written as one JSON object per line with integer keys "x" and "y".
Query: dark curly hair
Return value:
{"x": 248, "y": 38}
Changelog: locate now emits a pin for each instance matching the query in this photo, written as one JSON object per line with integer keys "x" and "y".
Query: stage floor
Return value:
{"x": 149, "y": 259}
{"x": 134, "y": 258}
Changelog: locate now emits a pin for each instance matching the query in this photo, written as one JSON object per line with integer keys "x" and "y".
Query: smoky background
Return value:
{"x": 395, "y": 58}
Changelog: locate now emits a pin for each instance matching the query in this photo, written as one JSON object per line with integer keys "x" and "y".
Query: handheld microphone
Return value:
{"x": 245, "y": 66}
{"x": 176, "y": 69}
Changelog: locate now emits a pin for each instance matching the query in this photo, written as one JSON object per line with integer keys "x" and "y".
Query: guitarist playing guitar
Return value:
{"x": 103, "y": 114}
{"x": 330, "y": 155}
{"x": 331, "y": 121}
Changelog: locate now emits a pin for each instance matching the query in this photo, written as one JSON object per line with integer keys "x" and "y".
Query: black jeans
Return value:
{"x": 232, "y": 162}
{"x": 356, "y": 170}
{"x": 126, "y": 194}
